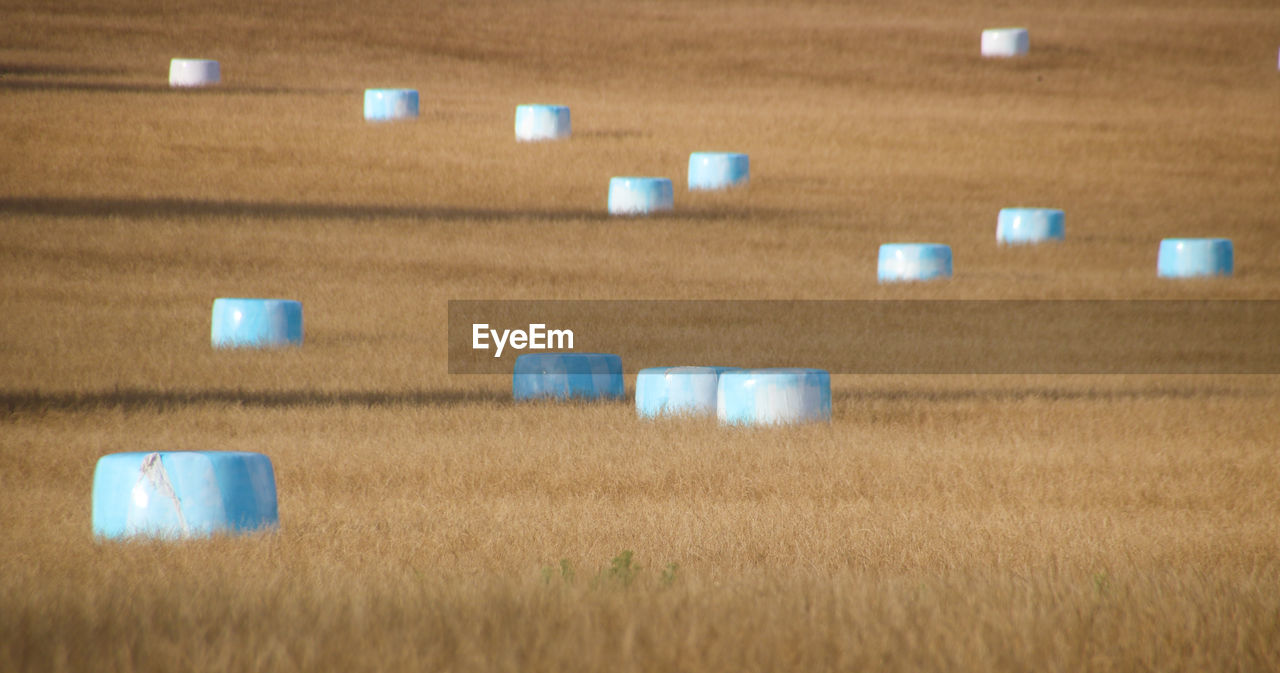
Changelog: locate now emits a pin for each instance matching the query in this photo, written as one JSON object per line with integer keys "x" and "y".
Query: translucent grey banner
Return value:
{"x": 880, "y": 337}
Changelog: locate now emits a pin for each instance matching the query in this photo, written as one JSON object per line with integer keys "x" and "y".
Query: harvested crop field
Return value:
{"x": 428, "y": 523}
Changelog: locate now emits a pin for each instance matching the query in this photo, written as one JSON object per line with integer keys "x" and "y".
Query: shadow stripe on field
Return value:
{"x": 138, "y": 399}
{"x": 160, "y": 88}
{"x": 57, "y": 70}
{"x": 143, "y": 399}
{"x": 138, "y": 208}
{"x": 1016, "y": 394}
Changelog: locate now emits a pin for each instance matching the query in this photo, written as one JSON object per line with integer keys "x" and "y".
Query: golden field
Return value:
{"x": 976, "y": 522}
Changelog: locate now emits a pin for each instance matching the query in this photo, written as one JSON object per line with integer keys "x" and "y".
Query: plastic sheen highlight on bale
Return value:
{"x": 542, "y": 122}
{"x": 390, "y": 104}
{"x": 718, "y": 170}
{"x": 256, "y": 323}
{"x": 193, "y": 72}
{"x": 676, "y": 391}
{"x": 773, "y": 396}
{"x": 183, "y": 494}
{"x": 1195, "y": 257}
{"x": 913, "y": 262}
{"x": 640, "y": 195}
{"x": 1015, "y": 226}
{"x": 587, "y": 376}
{"x": 1005, "y": 42}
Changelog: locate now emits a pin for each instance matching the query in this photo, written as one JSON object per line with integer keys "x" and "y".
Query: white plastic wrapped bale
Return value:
{"x": 256, "y": 323}
{"x": 718, "y": 170}
{"x": 640, "y": 195}
{"x": 677, "y": 391}
{"x": 194, "y": 72}
{"x": 773, "y": 396}
{"x": 1005, "y": 42}
{"x": 1195, "y": 257}
{"x": 183, "y": 494}
{"x": 900, "y": 262}
{"x": 567, "y": 375}
{"x": 390, "y": 104}
{"x": 1017, "y": 226}
{"x": 542, "y": 122}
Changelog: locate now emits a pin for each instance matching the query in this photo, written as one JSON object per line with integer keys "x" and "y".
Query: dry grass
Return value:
{"x": 956, "y": 523}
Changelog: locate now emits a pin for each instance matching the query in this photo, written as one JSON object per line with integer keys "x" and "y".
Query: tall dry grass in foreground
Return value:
{"x": 956, "y": 529}
{"x": 955, "y": 523}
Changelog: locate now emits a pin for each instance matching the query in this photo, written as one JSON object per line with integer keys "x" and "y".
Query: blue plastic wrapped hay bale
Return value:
{"x": 1005, "y": 42}
{"x": 913, "y": 262}
{"x": 542, "y": 122}
{"x": 1195, "y": 257}
{"x": 256, "y": 323}
{"x": 183, "y": 494}
{"x": 774, "y": 396}
{"x": 194, "y": 72}
{"x": 390, "y": 104}
{"x": 567, "y": 375}
{"x": 640, "y": 196}
{"x": 718, "y": 170}
{"x": 1016, "y": 226}
{"x": 674, "y": 391}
